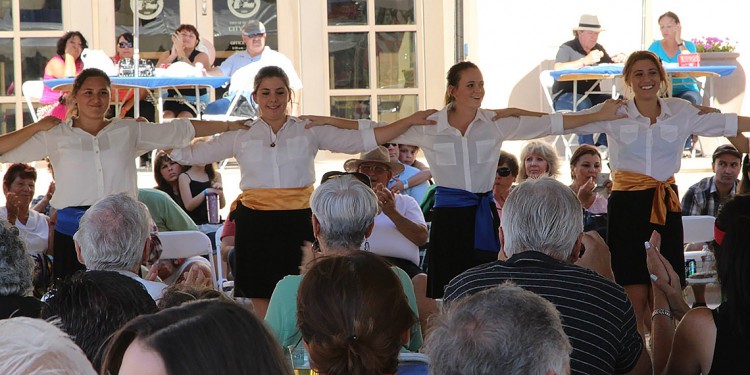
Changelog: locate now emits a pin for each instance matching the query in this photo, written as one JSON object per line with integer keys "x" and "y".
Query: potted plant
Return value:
{"x": 713, "y": 48}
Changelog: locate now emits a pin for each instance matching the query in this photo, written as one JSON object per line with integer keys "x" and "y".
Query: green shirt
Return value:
{"x": 167, "y": 215}
{"x": 281, "y": 316}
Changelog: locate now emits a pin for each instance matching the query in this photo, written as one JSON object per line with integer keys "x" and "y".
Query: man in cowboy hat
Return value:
{"x": 582, "y": 50}
{"x": 400, "y": 228}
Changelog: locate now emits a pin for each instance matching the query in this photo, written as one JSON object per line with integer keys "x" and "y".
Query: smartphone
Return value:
{"x": 690, "y": 267}
{"x": 601, "y": 179}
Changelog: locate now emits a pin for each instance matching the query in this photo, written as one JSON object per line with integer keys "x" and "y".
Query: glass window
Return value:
{"x": 230, "y": 16}
{"x": 389, "y": 12}
{"x": 394, "y": 107}
{"x": 6, "y": 66}
{"x": 347, "y": 12}
{"x": 395, "y": 59}
{"x": 159, "y": 20}
{"x": 6, "y": 16}
{"x": 349, "y": 60}
{"x": 41, "y": 14}
{"x": 352, "y": 107}
{"x": 8, "y": 121}
{"x": 35, "y": 53}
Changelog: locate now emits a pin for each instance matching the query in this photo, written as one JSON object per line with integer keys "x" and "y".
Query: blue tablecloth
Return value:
{"x": 150, "y": 82}
{"x": 616, "y": 69}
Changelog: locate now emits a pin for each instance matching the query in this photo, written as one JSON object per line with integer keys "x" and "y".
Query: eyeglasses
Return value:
{"x": 376, "y": 168}
{"x": 389, "y": 145}
{"x": 125, "y": 45}
{"x": 336, "y": 174}
{"x": 503, "y": 171}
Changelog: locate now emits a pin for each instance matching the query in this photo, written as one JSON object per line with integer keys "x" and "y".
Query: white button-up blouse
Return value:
{"x": 289, "y": 163}
{"x": 88, "y": 167}
{"x": 468, "y": 161}
{"x": 656, "y": 150}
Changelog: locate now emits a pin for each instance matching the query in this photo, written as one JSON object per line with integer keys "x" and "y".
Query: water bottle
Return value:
{"x": 212, "y": 205}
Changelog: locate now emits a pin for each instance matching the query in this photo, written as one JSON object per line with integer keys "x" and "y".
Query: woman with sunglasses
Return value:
{"x": 276, "y": 158}
{"x": 124, "y": 50}
{"x": 505, "y": 176}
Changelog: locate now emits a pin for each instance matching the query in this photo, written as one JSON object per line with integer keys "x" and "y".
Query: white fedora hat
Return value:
{"x": 589, "y": 22}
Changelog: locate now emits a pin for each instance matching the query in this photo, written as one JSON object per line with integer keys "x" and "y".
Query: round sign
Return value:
{"x": 243, "y": 8}
{"x": 149, "y": 9}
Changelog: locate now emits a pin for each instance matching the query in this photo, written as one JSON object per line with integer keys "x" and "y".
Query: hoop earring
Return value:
{"x": 367, "y": 246}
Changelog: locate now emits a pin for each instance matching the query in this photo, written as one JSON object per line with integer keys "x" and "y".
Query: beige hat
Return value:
{"x": 589, "y": 22}
{"x": 378, "y": 155}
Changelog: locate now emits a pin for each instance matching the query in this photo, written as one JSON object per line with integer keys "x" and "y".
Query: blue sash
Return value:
{"x": 68, "y": 218}
{"x": 484, "y": 231}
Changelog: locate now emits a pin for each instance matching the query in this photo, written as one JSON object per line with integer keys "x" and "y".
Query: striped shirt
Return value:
{"x": 596, "y": 313}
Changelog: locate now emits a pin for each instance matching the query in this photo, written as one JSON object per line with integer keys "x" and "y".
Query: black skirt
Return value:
{"x": 630, "y": 227}
{"x": 267, "y": 247}
{"x": 451, "y": 248}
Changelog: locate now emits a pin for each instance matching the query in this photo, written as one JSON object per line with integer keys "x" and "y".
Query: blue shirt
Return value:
{"x": 679, "y": 85}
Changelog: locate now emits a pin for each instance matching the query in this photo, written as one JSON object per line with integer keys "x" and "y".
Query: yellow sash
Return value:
{"x": 275, "y": 199}
{"x": 631, "y": 181}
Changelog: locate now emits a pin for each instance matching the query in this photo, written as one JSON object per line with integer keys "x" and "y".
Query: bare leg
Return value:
{"x": 426, "y": 306}
{"x": 638, "y": 295}
{"x": 261, "y": 306}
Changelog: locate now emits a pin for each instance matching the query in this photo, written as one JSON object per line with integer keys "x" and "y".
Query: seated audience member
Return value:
{"x": 581, "y": 51}
{"x": 185, "y": 41}
{"x": 505, "y": 175}
{"x": 543, "y": 242}
{"x": 179, "y": 294}
{"x": 669, "y": 49}
{"x": 343, "y": 214}
{"x": 500, "y": 330}
{"x": 708, "y": 195}
{"x": 33, "y": 346}
{"x": 15, "y": 276}
{"x": 19, "y": 183}
{"x": 114, "y": 235}
{"x": 165, "y": 212}
{"x": 195, "y": 185}
{"x": 124, "y": 50}
{"x": 585, "y": 166}
{"x": 353, "y": 315}
{"x": 415, "y": 180}
{"x": 705, "y": 341}
{"x": 166, "y": 174}
{"x": 91, "y": 305}
{"x": 202, "y": 337}
{"x": 399, "y": 228}
{"x": 538, "y": 159}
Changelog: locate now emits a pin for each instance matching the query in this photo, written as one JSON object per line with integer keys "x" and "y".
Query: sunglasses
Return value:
{"x": 336, "y": 174}
{"x": 125, "y": 45}
{"x": 367, "y": 168}
{"x": 503, "y": 171}
{"x": 389, "y": 145}
{"x": 258, "y": 35}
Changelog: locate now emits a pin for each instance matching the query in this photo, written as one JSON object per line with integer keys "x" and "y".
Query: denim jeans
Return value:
{"x": 564, "y": 101}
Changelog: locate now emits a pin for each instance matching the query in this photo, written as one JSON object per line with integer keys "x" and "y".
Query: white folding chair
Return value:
{"x": 546, "y": 80}
{"x": 698, "y": 228}
{"x": 32, "y": 91}
{"x": 186, "y": 244}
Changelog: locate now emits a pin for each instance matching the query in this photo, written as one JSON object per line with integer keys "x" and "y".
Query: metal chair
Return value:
{"x": 546, "y": 80}
{"x": 32, "y": 91}
{"x": 186, "y": 244}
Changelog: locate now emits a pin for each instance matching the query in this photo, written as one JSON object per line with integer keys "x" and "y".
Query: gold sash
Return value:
{"x": 631, "y": 181}
{"x": 275, "y": 199}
